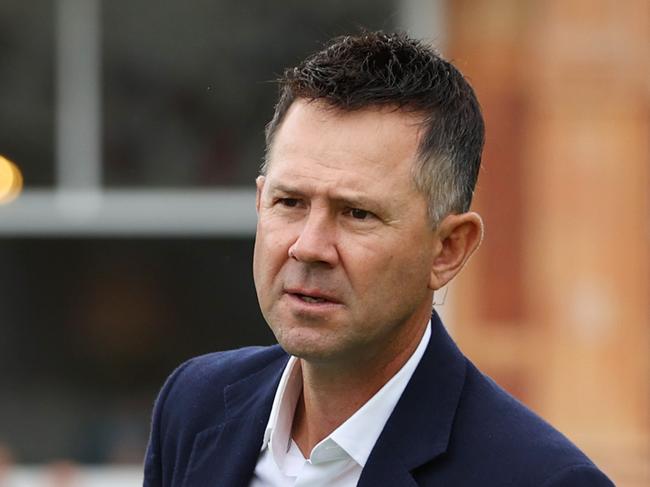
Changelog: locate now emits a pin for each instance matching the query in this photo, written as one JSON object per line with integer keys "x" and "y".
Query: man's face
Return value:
{"x": 344, "y": 246}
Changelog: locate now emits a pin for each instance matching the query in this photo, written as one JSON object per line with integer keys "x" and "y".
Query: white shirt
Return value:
{"x": 337, "y": 460}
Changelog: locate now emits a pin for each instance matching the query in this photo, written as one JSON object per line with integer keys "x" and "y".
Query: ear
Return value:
{"x": 459, "y": 236}
{"x": 259, "y": 183}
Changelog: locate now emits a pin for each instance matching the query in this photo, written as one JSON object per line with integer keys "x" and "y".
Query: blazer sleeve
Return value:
{"x": 153, "y": 465}
{"x": 586, "y": 475}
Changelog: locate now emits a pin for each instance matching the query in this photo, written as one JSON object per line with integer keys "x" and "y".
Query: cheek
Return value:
{"x": 270, "y": 251}
{"x": 368, "y": 266}
{"x": 388, "y": 272}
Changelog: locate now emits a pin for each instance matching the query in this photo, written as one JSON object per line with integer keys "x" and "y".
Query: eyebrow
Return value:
{"x": 349, "y": 200}
{"x": 284, "y": 188}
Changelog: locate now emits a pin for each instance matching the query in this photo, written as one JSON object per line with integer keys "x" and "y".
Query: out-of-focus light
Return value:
{"x": 11, "y": 181}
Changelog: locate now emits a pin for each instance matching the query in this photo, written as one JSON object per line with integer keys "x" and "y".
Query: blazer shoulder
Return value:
{"x": 510, "y": 440}
{"x": 585, "y": 475}
{"x": 237, "y": 363}
{"x": 216, "y": 370}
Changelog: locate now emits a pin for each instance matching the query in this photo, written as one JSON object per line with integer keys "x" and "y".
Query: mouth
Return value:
{"x": 311, "y": 297}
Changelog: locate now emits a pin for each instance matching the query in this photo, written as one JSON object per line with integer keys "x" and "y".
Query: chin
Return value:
{"x": 307, "y": 345}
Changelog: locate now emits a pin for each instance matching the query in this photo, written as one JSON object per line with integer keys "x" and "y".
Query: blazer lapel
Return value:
{"x": 419, "y": 428}
{"x": 227, "y": 453}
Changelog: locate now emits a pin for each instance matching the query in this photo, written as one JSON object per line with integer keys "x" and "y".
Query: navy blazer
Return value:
{"x": 452, "y": 427}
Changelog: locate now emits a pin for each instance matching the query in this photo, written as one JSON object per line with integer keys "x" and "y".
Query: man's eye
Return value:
{"x": 359, "y": 214}
{"x": 290, "y": 202}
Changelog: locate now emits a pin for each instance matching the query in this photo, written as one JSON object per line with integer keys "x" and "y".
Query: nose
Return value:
{"x": 316, "y": 242}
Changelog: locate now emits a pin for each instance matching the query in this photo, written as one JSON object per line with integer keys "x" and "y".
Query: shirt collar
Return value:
{"x": 358, "y": 434}
{"x": 277, "y": 435}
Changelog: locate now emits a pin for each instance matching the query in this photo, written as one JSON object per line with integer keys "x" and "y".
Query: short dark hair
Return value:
{"x": 394, "y": 70}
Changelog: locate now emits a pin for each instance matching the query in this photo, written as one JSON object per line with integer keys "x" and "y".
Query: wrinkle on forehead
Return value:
{"x": 323, "y": 171}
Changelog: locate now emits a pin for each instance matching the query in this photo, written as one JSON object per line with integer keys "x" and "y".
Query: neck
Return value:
{"x": 334, "y": 392}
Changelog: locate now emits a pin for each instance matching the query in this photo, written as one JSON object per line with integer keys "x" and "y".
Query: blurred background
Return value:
{"x": 130, "y": 136}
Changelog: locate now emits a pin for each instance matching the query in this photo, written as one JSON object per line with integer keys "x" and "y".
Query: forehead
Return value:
{"x": 318, "y": 141}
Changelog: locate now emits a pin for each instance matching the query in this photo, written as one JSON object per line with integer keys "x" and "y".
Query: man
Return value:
{"x": 363, "y": 213}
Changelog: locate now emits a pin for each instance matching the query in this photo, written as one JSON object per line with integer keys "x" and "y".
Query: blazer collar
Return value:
{"x": 226, "y": 454}
{"x": 419, "y": 428}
